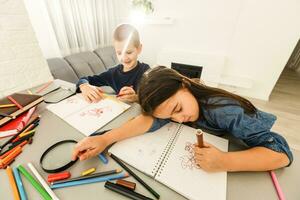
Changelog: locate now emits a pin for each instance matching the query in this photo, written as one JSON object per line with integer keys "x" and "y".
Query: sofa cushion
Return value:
{"x": 108, "y": 56}
{"x": 85, "y": 63}
{"x": 60, "y": 69}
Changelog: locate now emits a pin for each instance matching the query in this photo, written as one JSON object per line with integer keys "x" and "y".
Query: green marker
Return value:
{"x": 34, "y": 183}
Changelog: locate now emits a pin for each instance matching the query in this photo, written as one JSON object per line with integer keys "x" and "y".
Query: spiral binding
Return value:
{"x": 163, "y": 159}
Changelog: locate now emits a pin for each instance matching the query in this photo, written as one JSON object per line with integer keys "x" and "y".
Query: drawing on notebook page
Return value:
{"x": 95, "y": 112}
{"x": 172, "y": 162}
{"x": 188, "y": 161}
{"x": 88, "y": 117}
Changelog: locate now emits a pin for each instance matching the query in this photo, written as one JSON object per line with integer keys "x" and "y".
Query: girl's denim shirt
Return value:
{"x": 254, "y": 130}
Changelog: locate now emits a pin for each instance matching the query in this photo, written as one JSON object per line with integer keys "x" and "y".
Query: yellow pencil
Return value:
{"x": 26, "y": 133}
{"x": 87, "y": 172}
{"x": 7, "y": 105}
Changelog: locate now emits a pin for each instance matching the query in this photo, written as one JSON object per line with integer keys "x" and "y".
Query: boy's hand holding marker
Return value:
{"x": 128, "y": 94}
{"x": 208, "y": 157}
{"x": 91, "y": 94}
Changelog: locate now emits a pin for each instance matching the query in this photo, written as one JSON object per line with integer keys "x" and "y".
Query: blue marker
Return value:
{"x": 102, "y": 157}
{"x": 20, "y": 184}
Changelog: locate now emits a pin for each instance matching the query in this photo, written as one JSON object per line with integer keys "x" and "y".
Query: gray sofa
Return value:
{"x": 72, "y": 67}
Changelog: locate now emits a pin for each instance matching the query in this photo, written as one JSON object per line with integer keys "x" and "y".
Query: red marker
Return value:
{"x": 58, "y": 176}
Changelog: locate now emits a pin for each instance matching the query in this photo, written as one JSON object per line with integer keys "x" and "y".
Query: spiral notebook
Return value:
{"x": 166, "y": 155}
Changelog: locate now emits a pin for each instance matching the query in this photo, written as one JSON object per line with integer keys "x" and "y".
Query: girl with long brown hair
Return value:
{"x": 166, "y": 95}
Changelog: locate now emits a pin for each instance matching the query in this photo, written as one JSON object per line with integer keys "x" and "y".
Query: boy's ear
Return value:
{"x": 140, "y": 47}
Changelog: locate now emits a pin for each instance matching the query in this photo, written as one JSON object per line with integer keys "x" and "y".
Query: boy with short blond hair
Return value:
{"x": 124, "y": 77}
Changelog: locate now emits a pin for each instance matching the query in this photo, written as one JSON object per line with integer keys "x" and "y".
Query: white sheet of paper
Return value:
{"x": 87, "y": 117}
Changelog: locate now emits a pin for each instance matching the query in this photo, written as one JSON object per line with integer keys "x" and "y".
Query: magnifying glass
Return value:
{"x": 57, "y": 157}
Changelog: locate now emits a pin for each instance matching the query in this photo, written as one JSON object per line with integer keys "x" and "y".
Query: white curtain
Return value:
{"x": 82, "y": 25}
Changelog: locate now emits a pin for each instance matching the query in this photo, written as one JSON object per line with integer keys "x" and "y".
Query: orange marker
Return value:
{"x": 11, "y": 150}
{"x": 12, "y": 183}
{"x": 199, "y": 135}
{"x": 5, "y": 161}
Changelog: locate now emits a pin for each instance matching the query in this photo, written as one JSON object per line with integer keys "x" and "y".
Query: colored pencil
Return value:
{"x": 20, "y": 184}
{"x": 7, "y": 105}
{"x": 43, "y": 87}
{"x": 277, "y": 186}
{"x": 34, "y": 183}
{"x": 42, "y": 181}
{"x": 90, "y": 180}
{"x": 95, "y": 175}
{"x": 26, "y": 133}
{"x": 134, "y": 175}
{"x": 23, "y": 130}
{"x": 15, "y": 102}
{"x": 13, "y": 183}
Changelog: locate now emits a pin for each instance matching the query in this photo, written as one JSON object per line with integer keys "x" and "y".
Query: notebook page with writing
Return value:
{"x": 145, "y": 152}
{"x": 180, "y": 173}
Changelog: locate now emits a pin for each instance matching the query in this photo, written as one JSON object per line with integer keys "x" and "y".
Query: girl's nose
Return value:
{"x": 178, "y": 118}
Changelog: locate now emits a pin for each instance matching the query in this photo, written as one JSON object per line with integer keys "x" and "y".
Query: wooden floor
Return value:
{"x": 284, "y": 102}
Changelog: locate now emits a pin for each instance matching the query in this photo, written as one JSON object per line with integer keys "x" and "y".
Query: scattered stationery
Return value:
{"x": 13, "y": 126}
{"x": 135, "y": 176}
{"x": 102, "y": 157}
{"x": 15, "y": 102}
{"x": 98, "y": 174}
{"x": 42, "y": 181}
{"x": 124, "y": 191}
{"x": 89, "y": 171}
{"x": 90, "y": 180}
{"x": 24, "y": 102}
{"x": 7, "y": 105}
{"x": 20, "y": 184}
{"x": 168, "y": 157}
{"x": 39, "y": 90}
{"x": 13, "y": 183}
{"x": 34, "y": 183}
{"x": 127, "y": 184}
{"x": 277, "y": 186}
{"x": 58, "y": 176}
{"x": 88, "y": 117}
{"x": 10, "y": 157}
